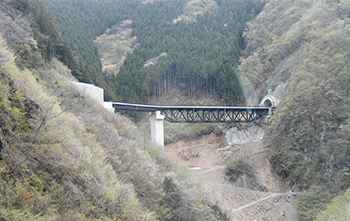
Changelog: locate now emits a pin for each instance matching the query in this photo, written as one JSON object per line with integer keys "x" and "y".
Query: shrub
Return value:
{"x": 338, "y": 209}
{"x": 311, "y": 202}
{"x": 235, "y": 169}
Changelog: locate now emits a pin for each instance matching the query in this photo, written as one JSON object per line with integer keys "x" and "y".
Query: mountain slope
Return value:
{"x": 202, "y": 49}
{"x": 305, "y": 44}
{"x": 62, "y": 157}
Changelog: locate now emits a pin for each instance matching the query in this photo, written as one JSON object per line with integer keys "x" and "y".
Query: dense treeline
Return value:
{"x": 49, "y": 43}
{"x": 81, "y": 22}
{"x": 306, "y": 45}
{"x": 40, "y": 40}
{"x": 202, "y": 56}
{"x": 62, "y": 157}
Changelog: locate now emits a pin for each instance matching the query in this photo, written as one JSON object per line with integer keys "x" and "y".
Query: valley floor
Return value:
{"x": 207, "y": 158}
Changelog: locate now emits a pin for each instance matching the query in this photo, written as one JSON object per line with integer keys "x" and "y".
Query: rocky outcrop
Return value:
{"x": 252, "y": 133}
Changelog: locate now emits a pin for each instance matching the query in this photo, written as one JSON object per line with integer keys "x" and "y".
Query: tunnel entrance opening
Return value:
{"x": 267, "y": 103}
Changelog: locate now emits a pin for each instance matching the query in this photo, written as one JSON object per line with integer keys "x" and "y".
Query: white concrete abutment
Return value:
{"x": 97, "y": 93}
{"x": 157, "y": 128}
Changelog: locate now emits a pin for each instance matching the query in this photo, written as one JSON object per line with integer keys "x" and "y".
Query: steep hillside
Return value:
{"x": 62, "y": 157}
{"x": 202, "y": 55}
{"x": 202, "y": 47}
{"x": 117, "y": 41}
{"x": 306, "y": 45}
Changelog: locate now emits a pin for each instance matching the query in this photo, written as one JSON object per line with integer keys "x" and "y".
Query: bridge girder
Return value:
{"x": 186, "y": 115}
{"x": 201, "y": 114}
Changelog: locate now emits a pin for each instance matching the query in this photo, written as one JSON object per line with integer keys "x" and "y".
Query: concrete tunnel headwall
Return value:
{"x": 269, "y": 101}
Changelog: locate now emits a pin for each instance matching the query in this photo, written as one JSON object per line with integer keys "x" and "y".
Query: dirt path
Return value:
{"x": 208, "y": 157}
{"x": 254, "y": 202}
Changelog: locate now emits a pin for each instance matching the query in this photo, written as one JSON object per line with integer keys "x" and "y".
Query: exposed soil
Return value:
{"x": 263, "y": 197}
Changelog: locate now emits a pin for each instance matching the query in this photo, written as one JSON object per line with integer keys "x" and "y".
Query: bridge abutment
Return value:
{"x": 157, "y": 128}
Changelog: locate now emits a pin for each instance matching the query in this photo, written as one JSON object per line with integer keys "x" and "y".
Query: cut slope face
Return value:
{"x": 207, "y": 158}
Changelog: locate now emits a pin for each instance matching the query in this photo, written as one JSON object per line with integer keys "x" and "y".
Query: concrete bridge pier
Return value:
{"x": 157, "y": 129}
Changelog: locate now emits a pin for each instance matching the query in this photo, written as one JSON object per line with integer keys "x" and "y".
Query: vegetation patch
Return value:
{"x": 195, "y": 8}
{"x": 305, "y": 45}
{"x": 114, "y": 45}
{"x": 338, "y": 209}
{"x": 202, "y": 56}
{"x": 235, "y": 169}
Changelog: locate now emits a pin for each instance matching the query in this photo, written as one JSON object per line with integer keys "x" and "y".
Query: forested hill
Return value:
{"x": 306, "y": 45}
{"x": 202, "y": 52}
{"x": 62, "y": 156}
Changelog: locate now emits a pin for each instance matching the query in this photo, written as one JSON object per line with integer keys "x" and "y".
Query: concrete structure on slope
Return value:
{"x": 157, "y": 128}
{"x": 273, "y": 98}
{"x": 96, "y": 93}
{"x": 269, "y": 101}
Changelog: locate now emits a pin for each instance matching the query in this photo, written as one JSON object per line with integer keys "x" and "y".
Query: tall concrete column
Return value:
{"x": 157, "y": 129}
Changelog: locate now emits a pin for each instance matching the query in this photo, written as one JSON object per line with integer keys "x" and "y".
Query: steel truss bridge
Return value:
{"x": 200, "y": 114}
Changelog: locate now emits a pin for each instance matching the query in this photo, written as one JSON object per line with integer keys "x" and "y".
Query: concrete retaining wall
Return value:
{"x": 96, "y": 93}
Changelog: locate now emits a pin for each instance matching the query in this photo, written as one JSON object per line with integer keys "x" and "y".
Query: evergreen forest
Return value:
{"x": 201, "y": 56}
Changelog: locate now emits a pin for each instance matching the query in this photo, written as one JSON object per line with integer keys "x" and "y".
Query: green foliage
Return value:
{"x": 338, "y": 209}
{"x": 236, "y": 169}
{"x": 89, "y": 19}
{"x": 57, "y": 170}
{"x": 19, "y": 37}
{"x": 307, "y": 47}
{"x": 32, "y": 35}
{"x": 187, "y": 200}
{"x": 62, "y": 157}
{"x": 310, "y": 203}
{"x": 176, "y": 132}
{"x": 23, "y": 215}
{"x": 28, "y": 55}
{"x": 202, "y": 55}
{"x": 21, "y": 5}
{"x": 15, "y": 109}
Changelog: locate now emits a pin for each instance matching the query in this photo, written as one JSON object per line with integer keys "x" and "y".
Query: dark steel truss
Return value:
{"x": 201, "y": 114}
{"x": 184, "y": 115}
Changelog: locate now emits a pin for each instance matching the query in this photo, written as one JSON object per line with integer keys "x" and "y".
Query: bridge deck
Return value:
{"x": 200, "y": 114}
